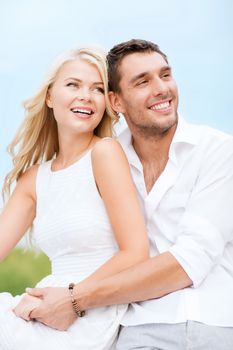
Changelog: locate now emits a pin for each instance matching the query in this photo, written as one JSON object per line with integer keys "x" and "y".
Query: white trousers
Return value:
{"x": 180, "y": 336}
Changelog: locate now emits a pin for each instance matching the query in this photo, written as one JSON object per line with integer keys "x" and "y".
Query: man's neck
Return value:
{"x": 153, "y": 153}
{"x": 153, "y": 147}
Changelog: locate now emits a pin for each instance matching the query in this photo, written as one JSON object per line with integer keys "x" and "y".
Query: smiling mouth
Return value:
{"x": 161, "y": 106}
{"x": 82, "y": 111}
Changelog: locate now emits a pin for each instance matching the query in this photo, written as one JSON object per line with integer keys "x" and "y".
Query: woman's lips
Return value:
{"x": 82, "y": 112}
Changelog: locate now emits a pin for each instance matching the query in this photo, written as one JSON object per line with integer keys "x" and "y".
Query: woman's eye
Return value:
{"x": 72, "y": 84}
{"x": 99, "y": 89}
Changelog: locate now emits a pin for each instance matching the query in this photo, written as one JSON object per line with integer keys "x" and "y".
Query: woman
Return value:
{"x": 74, "y": 188}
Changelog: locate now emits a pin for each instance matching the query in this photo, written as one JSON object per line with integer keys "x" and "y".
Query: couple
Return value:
{"x": 74, "y": 188}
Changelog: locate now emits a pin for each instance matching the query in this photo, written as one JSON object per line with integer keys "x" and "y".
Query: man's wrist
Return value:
{"x": 84, "y": 293}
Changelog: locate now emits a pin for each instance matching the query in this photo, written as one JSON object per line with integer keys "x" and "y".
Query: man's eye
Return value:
{"x": 142, "y": 82}
{"x": 166, "y": 75}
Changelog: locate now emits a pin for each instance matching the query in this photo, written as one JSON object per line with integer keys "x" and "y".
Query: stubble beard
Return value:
{"x": 154, "y": 129}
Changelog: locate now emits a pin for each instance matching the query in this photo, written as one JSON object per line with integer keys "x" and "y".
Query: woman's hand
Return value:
{"x": 26, "y": 305}
{"x": 55, "y": 310}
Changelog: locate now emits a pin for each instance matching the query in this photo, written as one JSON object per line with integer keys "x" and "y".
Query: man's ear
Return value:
{"x": 115, "y": 102}
{"x": 48, "y": 100}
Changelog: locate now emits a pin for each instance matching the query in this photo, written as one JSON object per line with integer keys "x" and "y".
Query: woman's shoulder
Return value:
{"x": 26, "y": 182}
{"x": 107, "y": 157}
{"x": 30, "y": 173}
{"x": 106, "y": 146}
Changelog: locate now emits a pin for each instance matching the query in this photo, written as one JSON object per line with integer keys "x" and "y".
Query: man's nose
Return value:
{"x": 159, "y": 87}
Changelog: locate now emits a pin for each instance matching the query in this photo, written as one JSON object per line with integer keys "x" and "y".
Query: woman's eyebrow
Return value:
{"x": 80, "y": 81}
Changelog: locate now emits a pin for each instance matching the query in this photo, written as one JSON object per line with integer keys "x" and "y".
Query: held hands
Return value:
{"x": 55, "y": 308}
{"x": 26, "y": 305}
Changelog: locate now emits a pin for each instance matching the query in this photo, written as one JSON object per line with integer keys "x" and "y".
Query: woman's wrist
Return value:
{"x": 75, "y": 304}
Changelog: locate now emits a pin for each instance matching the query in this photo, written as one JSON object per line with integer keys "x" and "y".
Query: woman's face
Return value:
{"x": 77, "y": 97}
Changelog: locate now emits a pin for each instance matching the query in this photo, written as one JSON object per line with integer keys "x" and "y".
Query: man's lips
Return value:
{"x": 161, "y": 106}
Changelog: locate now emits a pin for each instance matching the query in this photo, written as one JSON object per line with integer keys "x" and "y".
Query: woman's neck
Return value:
{"x": 71, "y": 149}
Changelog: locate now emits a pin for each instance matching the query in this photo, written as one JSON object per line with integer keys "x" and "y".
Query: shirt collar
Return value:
{"x": 186, "y": 134}
{"x": 125, "y": 139}
{"x": 185, "y": 138}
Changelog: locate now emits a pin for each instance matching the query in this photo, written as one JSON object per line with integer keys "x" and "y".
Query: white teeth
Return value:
{"x": 84, "y": 111}
{"x": 161, "y": 106}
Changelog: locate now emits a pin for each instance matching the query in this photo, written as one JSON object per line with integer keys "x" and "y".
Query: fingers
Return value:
{"x": 36, "y": 292}
{"x": 34, "y": 314}
{"x": 26, "y": 305}
{"x": 22, "y": 313}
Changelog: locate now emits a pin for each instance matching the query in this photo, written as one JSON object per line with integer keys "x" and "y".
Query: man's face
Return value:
{"x": 148, "y": 95}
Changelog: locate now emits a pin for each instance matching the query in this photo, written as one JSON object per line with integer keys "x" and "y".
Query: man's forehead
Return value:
{"x": 135, "y": 63}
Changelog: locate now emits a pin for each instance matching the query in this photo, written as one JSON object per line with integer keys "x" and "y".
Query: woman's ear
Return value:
{"x": 49, "y": 100}
{"x": 115, "y": 101}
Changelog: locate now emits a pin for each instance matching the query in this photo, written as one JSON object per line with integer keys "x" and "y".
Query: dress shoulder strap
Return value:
{"x": 43, "y": 176}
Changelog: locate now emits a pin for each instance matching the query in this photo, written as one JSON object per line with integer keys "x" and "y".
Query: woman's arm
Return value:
{"x": 19, "y": 212}
{"x": 113, "y": 178}
{"x": 114, "y": 182}
{"x": 115, "y": 185}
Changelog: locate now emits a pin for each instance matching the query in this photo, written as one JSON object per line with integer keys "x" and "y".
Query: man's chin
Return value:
{"x": 160, "y": 127}
{"x": 166, "y": 122}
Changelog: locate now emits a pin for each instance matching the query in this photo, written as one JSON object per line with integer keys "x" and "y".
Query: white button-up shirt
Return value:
{"x": 189, "y": 212}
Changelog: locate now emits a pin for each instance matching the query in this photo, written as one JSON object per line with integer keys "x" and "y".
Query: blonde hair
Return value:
{"x": 37, "y": 137}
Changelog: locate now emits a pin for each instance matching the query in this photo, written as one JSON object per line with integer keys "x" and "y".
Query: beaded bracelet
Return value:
{"x": 79, "y": 313}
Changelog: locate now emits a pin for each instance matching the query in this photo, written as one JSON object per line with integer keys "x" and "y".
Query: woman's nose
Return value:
{"x": 84, "y": 94}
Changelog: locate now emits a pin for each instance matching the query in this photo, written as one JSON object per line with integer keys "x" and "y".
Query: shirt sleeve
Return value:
{"x": 206, "y": 226}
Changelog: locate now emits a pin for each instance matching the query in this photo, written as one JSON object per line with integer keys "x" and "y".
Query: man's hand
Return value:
{"x": 55, "y": 309}
{"x": 26, "y": 305}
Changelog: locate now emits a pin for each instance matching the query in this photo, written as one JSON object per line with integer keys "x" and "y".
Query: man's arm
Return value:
{"x": 152, "y": 278}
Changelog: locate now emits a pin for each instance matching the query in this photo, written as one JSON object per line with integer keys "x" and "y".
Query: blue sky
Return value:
{"x": 196, "y": 36}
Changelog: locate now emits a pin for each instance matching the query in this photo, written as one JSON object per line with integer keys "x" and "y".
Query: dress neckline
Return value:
{"x": 69, "y": 167}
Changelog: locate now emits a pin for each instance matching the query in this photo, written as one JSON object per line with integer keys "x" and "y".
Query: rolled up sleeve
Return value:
{"x": 206, "y": 226}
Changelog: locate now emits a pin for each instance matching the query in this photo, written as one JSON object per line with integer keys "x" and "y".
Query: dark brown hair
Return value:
{"x": 118, "y": 52}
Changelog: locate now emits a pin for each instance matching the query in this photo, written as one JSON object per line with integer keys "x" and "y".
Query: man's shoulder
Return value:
{"x": 213, "y": 145}
{"x": 125, "y": 135}
{"x": 125, "y": 139}
{"x": 208, "y": 134}
{"x": 216, "y": 133}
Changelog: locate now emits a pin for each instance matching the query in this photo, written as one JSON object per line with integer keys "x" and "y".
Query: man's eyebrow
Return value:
{"x": 165, "y": 68}
{"x": 138, "y": 76}
{"x": 143, "y": 74}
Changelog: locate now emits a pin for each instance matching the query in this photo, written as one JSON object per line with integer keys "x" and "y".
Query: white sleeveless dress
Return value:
{"x": 72, "y": 228}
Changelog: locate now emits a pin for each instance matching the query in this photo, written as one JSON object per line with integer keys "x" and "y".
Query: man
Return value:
{"x": 184, "y": 177}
